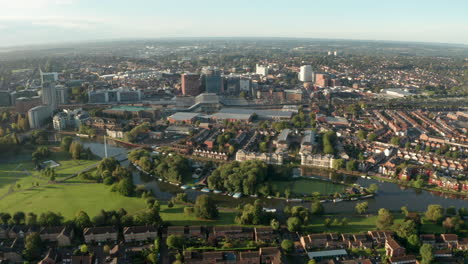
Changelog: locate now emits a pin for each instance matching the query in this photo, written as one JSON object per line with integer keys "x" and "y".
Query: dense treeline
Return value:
{"x": 173, "y": 168}
{"x": 249, "y": 177}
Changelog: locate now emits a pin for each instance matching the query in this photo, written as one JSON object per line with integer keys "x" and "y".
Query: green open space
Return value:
{"x": 25, "y": 175}
{"x": 176, "y": 216}
{"x": 68, "y": 199}
{"x": 308, "y": 186}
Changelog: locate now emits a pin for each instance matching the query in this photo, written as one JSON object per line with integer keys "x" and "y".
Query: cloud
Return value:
{"x": 79, "y": 23}
{"x": 32, "y": 4}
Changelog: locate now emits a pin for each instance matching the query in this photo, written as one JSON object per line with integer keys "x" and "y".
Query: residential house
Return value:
{"x": 197, "y": 232}
{"x": 17, "y": 231}
{"x": 232, "y": 233}
{"x": 176, "y": 230}
{"x": 100, "y": 234}
{"x": 270, "y": 255}
{"x": 427, "y": 239}
{"x": 265, "y": 234}
{"x": 406, "y": 259}
{"x": 60, "y": 234}
{"x": 139, "y": 233}
{"x": 88, "y": 259}
{"x": 50, "y": 258}
{"x": 450, "y": 239}
{"x": 380, "y": 237}
{"x": 393, "y": 249}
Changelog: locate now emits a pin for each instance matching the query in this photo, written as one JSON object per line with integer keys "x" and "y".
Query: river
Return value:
{"x": 390, "y": 195}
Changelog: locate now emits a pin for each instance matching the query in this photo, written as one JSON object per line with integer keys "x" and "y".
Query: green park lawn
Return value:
{"x": 308, "y": 186}
{"x": 23, "y": 172}
{"x": 69, "y": 199}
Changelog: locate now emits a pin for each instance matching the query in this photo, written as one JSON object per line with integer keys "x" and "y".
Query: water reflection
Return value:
{"x": 391, "y": 196}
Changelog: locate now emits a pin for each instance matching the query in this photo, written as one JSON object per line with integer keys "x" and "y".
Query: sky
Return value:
{"x": 24, "y": 22}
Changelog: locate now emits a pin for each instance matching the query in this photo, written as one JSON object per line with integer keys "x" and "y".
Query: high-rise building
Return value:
{"x": 49, "y": 95}
{"x": 191, "y": 84}
{"x": 305, "y": 75}
{"x": 245, "y": 85}
{"x": 322, "y": 79}
{"x": 212, "y": 79}
{"x": 232, "y": 86}
{"x": 47, "y": 77}
{"x": 261, "y": 70}
{"x": 38, "y": 116}
{"x": 5, "y": 99}
{"x": 62, "y": 94}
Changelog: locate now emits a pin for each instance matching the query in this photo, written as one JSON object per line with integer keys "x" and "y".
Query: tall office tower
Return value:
{"x": 261, "y": 70}
{"x": 322, "y": 79}
{"x": 191, "y": 84}
{"x": 335, "y": 53}
{"x": 48, "y": 77}
{"x": 62, "y": 94}
{"x": 49, "y": 95}
{"x": 306, "y": 73}
{"x": 212, "y": 80}
{"x": 38, "y": 115}
{"x": 232, "y": 85}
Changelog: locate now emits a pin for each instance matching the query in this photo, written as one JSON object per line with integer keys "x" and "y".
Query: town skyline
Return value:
{"x": 28, "y": 22}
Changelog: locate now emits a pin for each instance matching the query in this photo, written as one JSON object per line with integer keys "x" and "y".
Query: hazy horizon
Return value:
{"x": 38, "y": 22}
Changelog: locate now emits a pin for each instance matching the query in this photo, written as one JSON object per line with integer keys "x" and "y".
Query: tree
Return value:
{"x": 175, "y": 242}
{"x": 434, "y": 212}
{"x": 451, "y": 210}
{"x": 31, "y": 219}
{"x": 275, "y": 225}
{"x": 317, "y": 208}
{"x": 327, "y": 222}
{"x": 18, "y": 218}
{"x": 32, "y": 247}
{"x": 373, "y": 188}
{"x": 406, "y": 229}
{"x": 82, "y": 220}
{"x": 205, "y": 207}
{"x": 404, "y": 210}
{"x": 413, "y": 241}
{"x": 50, "y": 219}
{"x": 288, "y": 246}
{"x": 361, "y": 208}
{"x": 84, "y": 249}
{"x": 427, "y": 254}
{"x": 384, "y": 219}
{"x": 76, "y": 150}
{"x": 5, "y": 217}
{"x": 371, "y": 137}
{"x": 338, "y": 164}
{"x": 65, "y": 143}
{"x": 362, "y": 134}
{"x": 452, "y": 224}
{"x": 126, "y": 187}
{"x": 395, "y": 141}
{"x": 351, "y": 165}
{"x": 294, "y": 224}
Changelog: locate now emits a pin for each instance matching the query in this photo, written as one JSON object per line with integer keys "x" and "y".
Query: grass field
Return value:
{"x": 306, "y": 186}
{"x": 25, "y": 175}
{"x": 69, "y": 199}
{"x": 176, "y": 216}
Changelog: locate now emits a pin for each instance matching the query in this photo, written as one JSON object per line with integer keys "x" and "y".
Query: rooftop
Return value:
{"x": 129, "y": 108}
